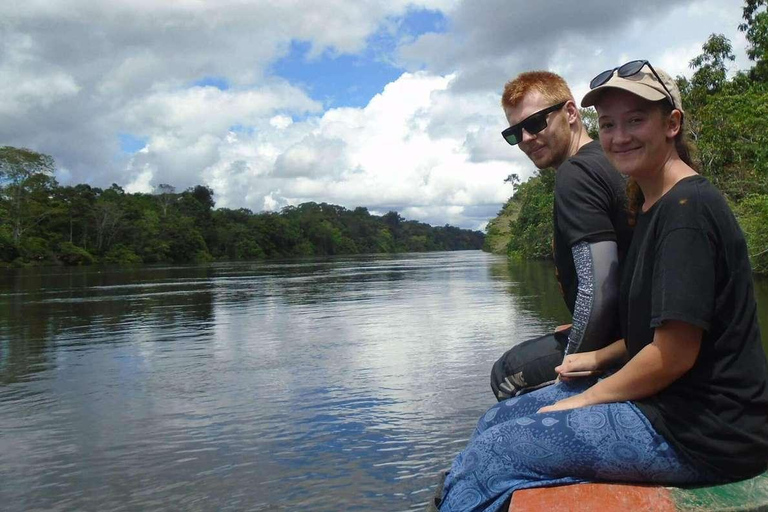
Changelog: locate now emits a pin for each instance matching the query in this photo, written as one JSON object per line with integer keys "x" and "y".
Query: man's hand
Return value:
{"x": 585, "y": 362}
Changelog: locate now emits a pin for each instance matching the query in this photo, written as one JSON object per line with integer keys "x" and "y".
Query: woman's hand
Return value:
{"x": 672, "y": 353}
{"x": 572, "y": 402}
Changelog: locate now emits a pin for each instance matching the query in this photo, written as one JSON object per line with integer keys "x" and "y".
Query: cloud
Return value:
{"x": 194, "y": 80}
{"x": 74, "y": 74}
{"x": 202, "y": 110}
{"x": 312, "y": 157}
{"x": 577, "y": 39}
{"x": 389, "y": 155}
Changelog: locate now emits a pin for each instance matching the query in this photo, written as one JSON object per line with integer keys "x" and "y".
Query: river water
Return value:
{"x": 322, "y": 384}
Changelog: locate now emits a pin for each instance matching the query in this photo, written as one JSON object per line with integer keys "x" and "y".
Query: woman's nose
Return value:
{"x": 621, "y": 134}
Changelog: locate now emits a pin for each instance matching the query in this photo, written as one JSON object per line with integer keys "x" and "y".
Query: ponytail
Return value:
{"x": 635, "y": 201}
{"x": 682, "y": 144}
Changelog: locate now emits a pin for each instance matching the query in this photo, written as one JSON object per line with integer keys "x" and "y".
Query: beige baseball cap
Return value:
{"x": 643, "y": 83}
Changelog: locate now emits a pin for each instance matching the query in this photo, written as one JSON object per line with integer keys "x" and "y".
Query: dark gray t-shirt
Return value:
{"x": 590, "y": 206}
{"x": 688, "y": 261}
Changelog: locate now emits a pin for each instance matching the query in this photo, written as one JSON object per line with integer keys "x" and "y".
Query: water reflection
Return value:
{"x": 333, "y": 384}
{"x": 535, "y": 286}
{"x": 41, "y": 310}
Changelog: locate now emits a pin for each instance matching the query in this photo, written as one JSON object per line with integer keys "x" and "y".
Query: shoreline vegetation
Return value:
{"x": 43, "y": 223}
{"x": 727, "y": 125}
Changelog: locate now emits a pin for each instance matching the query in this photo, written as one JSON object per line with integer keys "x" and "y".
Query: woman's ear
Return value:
{"x": 674, "y": 123}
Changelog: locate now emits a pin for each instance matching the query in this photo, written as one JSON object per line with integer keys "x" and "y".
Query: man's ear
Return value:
{"x": 572, "y": 111}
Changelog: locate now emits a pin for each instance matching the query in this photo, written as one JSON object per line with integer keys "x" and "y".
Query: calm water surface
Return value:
{"x": 325, "y": 385}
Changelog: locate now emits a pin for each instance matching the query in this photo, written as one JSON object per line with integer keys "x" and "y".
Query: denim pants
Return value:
{"x": 514, "y": 447}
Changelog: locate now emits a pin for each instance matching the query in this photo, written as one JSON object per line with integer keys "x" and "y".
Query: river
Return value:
{"x": 322, "y": 384}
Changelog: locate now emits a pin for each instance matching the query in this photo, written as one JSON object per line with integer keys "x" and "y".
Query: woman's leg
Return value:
{"x": 529, "y": 403}
{"x": 608, "y": 442}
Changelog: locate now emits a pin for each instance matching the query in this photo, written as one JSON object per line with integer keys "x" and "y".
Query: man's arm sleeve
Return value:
{"x": 596, "y": 310}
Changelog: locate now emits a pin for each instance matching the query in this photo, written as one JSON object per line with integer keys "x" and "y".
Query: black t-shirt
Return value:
{"x": 590, "y": 206}
{"x": 688, "y": 262}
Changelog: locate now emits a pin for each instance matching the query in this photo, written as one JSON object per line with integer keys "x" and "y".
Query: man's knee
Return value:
{"x": 528, "y": 365}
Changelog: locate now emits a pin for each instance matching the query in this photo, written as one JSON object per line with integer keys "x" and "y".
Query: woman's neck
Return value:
{"x": 658, "y": 183}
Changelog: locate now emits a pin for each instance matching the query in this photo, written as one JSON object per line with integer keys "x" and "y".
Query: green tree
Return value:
{"x": 711, "y": 66}
{"x": 79, "y": 225}
{"x": 752, "y": 213}
{"x": 185, "y": 243}
{"x": 26, "y": 182}
{"x": 755, "y": 28}
{"x": 166, "y": 196}
{"x": 108, "y": 215}
{"x": 531, "y": 231}
{"x": 197, "y": 203}
{"x": 589, "y": 118}
{"x": 733, "y": 142}
{"x": 497, "y": 232}
{"x": 78, "y": 203}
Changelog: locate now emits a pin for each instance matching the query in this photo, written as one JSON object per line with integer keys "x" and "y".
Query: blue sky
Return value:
{"x": 218, "y": 82}
{"x": 351, "y": 80}
{"x": 130, "y": 144}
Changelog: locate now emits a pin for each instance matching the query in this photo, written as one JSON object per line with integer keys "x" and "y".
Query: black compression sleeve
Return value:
{"x": 596, "y": 310}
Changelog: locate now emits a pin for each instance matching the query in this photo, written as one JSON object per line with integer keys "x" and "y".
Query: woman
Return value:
{"x": 690, "y": 405}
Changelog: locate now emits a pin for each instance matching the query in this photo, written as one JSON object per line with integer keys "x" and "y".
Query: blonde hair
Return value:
{"x": 550, "y": 85}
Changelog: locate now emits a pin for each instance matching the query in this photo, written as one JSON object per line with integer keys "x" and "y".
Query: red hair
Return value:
{"x": 550, "y": 85}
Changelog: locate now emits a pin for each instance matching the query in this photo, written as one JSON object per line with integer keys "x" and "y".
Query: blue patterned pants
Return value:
{"x": 514, "y": 447}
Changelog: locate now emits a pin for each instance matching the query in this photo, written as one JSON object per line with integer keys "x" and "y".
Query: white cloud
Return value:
{"x": 312, "y": 157}
{"x": 21, "y": 87}
{"x": 382, "y": 156}
{"x": 74, "y": 74}
{"x": 200, "y": 110}
{"x": 142, "y": 182}
{"x": 281, "y": 122}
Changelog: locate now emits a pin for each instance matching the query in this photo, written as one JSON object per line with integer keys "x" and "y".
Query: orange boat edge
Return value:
{"x": 744, "y": 496}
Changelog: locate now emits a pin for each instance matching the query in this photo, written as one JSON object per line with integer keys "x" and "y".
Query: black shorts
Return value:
{"x": 528, "y": 365}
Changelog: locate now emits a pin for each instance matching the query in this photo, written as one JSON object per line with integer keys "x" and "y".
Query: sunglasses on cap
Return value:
{"x": 632, "y": 67}
{"x": 533, "y": 124}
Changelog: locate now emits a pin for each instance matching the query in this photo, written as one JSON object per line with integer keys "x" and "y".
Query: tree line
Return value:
{"x": 42, "y": 222}
{"x": 727, "y": 124}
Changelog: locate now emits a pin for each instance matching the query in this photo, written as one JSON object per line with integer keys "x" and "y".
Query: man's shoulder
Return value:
{"x": 589, "y": 164}
{"x": 590, "y": 156}
{"x": 588, "y": 161}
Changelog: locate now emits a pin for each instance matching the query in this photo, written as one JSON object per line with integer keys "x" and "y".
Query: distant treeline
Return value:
{"x": 727, "y": 124}
{"x": 42, "y": 222}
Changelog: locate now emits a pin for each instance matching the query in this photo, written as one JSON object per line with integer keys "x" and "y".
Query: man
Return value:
{"x": 592, "y": 231}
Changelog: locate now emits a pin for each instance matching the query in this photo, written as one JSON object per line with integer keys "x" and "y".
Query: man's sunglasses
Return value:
{"x": 632, "y": 67}
{"x": 533, "y": 124}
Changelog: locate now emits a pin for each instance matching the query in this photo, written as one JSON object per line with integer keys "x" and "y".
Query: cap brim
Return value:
{"x": 636, "y": 88}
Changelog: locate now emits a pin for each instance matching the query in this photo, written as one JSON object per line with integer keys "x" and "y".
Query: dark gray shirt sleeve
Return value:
{"x": 597, "y": 269}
